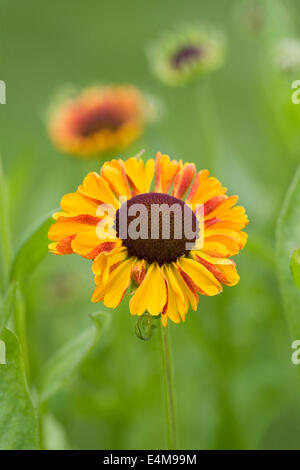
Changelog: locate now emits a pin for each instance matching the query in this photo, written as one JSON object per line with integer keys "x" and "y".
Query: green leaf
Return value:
{"x": 295, "y": 267}
{"x": 288, "y": 236}
{"x": 32, "y": 251}
{"x": 18, "y": 420}
{"x": 8, "y": 306}
{"x": 64, "y": 362}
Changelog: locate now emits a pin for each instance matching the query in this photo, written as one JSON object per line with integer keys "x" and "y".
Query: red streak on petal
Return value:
{"x": 64, "y": 246}
{"x": 210, "y": 222}
{"x": 212, "y": 203}
{"x": 103, "y": 247}
{"x": 183, "y": 180}
{"x": 190, "y": 283}
{"x": 83, "y": 219}
{"x": 213, "y": 269}
{"x": 164, "y": 311}
{"x": 158, "y": 171}
{"x": 139, "y": 273}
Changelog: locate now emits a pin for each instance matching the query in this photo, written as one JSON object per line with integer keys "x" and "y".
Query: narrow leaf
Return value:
{"x": 18, "y": 420}
{"x": 8, "y": 306}
{"x": 288, "y": 236}
{"x": 295, "y": 267}
{"x": 32, "y": 251}
{"x": 66, "y": 360}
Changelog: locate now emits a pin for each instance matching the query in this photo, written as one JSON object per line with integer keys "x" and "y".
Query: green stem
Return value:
{"x": 168, "y": 386}
{"x": 4, "y": 229}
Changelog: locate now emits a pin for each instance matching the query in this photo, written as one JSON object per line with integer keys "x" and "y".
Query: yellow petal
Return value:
{"x": 230, "y": 273}
{"x": 140, "y": 174}
{"x": 64, "y": 229}
{"x": 113, "y": 290}
{"x": 77, "y": 204}
{"x": 214, "y": 248}
{"x": 85, "y": 242}
{"x": 105, "y": 261}
{"x": 172, "y": 310}
{"x": 95, "y": 187}
{"x": 151, "y": 295}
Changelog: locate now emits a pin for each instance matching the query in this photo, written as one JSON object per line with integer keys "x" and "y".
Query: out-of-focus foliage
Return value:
{"x": 236, "y": 384}
{"x": 288, "y": 235}
{"x": 7, "y": 306}
{"x": 295, "y": 267}
{"x": 32, "y": 252}
{"x": 18, "y": 420}
{"x": 60, "y": 367}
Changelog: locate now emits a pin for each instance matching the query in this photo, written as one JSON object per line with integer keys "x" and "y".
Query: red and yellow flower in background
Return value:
{"x": 165, "y": 277}
{"x": 98, "y": 121}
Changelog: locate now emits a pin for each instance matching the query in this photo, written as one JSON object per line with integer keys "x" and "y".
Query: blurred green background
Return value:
{"x": 236, "y": 385}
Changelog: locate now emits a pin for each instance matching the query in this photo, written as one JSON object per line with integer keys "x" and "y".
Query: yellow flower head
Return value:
{"x": 168, "y": 247}
{"x": 98, "y": 121}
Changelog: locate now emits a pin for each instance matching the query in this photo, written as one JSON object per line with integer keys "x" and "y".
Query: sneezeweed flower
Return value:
{"x": 166, "y": 272}
{"x": 286, "y": 55}
{"x": 99, "y": 120}
{"x": 191, "y": 53}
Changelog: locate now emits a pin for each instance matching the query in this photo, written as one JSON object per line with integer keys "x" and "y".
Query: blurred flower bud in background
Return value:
{"x": 188, "y": 54}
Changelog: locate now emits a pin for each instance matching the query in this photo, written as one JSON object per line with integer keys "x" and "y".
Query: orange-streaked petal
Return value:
{"x": 88, "y": 244}
{"x": 183, "y": 180}
{"x": 233, "y": 241}
{"x": 187, "y": 290}
{"x": 222, "y": 208}
{"x": 139, "y": 271}
{"x": 166, "y": 171}
{"x": 200, "y": 276}
{"x": 115, "y": 175}
{"x": 63, "y": 247}
{"x": 223, "y": 269}
{"x": 204, "y": 188}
